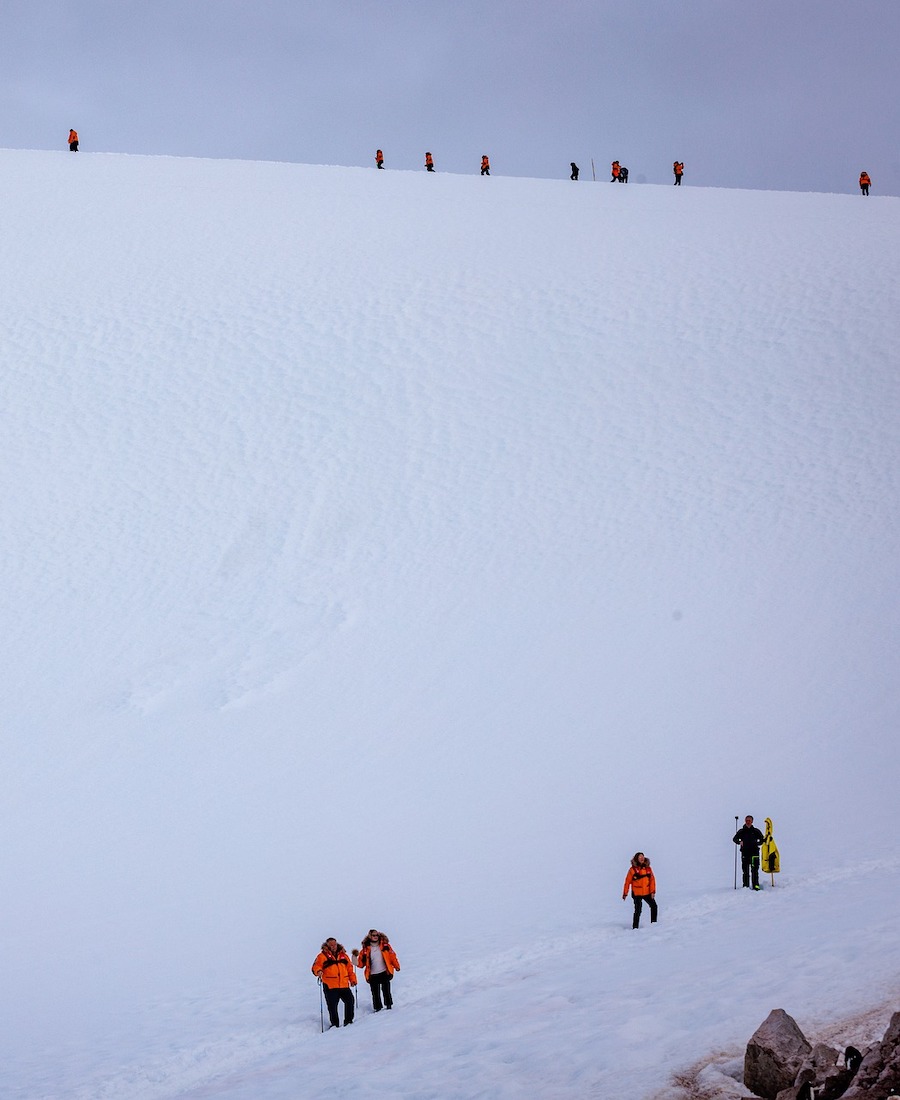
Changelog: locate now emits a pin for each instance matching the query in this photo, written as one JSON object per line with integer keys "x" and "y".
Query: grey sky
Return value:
{"x": 785, "y": 94}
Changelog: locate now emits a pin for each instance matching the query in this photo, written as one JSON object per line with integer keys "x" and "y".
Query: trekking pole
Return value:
{"x": 593, "y": 173}
{"x": 321, "y": 1008}
{"x": 735, "y": 852}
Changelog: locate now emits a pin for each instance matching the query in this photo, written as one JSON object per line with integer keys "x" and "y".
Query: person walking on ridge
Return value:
{"x": 429, "y": 162}
{"x": 574, "y": 168}
{"x": 678, "y": 169}
{"x": 749, "y": 838}
{"x": 485, "y": 165}
{"x": 335, "y": 971}
{"x": 864, "y": 182}
{"x": 615, "y": 172}
{"x": 378, "y": 961}
{"x": 73, "y": 141}
{"x": 642, "y": 881}
{"x": 379, "y": 158}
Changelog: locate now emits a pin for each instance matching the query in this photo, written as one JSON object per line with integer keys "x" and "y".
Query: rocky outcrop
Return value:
{"x": 775, "y": 1054}
{"x": 780, "y": 1064}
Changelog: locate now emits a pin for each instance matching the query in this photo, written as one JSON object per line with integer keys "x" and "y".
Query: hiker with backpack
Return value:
{"x": 864, "y": 182}
{"x": 642, "y": 881}
{"x": 333, "y": 968}
{"x": 678, "y": 169}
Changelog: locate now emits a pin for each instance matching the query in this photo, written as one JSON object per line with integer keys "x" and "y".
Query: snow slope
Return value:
{"x": 382, "y": 547}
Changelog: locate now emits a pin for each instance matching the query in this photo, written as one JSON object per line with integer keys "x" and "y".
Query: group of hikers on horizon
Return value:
{"x": 619, "y": 171}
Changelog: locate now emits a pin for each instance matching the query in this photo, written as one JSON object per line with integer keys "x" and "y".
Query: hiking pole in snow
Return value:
{"x": 593, "y": 173}
{"x": 735, "y": 852}
{"x": 321, "y": 1008}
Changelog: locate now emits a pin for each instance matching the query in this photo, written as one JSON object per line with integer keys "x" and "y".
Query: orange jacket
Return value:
{"x": 641, "y": 880}
{"x": 379, "y": 156}
{"x": 485, "y": 163}
{"x": 73, "y": 136}
{"x": 679, "y": 167}
{"x": 615, "y": 167}
{"x": 864, "y": 180}
{"x": 429, "y": 160}
{"x": 391, "y": 962}
{"x": 334, "y": 968}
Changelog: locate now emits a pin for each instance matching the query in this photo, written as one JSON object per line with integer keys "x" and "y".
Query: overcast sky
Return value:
{"x": 786, "y": 94}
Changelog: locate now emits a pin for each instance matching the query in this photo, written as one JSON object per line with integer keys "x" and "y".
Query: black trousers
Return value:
{"x": 380, "y": 985}
{"x": 678, "y": 181}
{"x": 73, "y": 146}
{"x": 651, "y": 905}
{"x": 750, "y": 869}
{"x": 333, "y": 998}
{"x": 865, "y": 189}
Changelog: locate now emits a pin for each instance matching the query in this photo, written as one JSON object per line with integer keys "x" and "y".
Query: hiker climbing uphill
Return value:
{"x": 378, "y": 962}
{"x": 642, "y": 881}
{"x": 333, "y": 968}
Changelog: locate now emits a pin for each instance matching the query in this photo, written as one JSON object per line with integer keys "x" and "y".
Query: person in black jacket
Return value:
{"x": 749, "y": 838}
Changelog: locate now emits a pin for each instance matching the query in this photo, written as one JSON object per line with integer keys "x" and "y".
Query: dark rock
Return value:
{"x": 880, "y": 1068}
{"x": 775, "y": 1054}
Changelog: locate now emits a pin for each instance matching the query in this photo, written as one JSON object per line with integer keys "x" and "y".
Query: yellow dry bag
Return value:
{"x": 770, "y": 860}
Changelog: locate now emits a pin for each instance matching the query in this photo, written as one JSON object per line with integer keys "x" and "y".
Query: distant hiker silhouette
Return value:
{"x": 623, "y": 174}
{"x": 429, "y": 162}
{"x": 73, "y": 141}
{"x": 864, "y": 182}
{"x": 379, "y": 158}
{"x": 574, "y": 168}
{"x": 485, "y": 166}
{"x": 678, "y": 169}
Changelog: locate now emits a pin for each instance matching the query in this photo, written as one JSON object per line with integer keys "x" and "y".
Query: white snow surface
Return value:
{"x": 396, "y": 550}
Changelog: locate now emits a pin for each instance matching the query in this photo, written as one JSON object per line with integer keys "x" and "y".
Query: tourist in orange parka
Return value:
{"x": 335, "y": 971}
{"x": 378, "y": 962}
{"x": 642, "y": 881}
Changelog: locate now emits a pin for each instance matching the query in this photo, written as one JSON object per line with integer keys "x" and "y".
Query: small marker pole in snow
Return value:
{"x": 593, "y": 173}
{"x": 321, "y": 1008}
{"x": 735, "y": 852}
